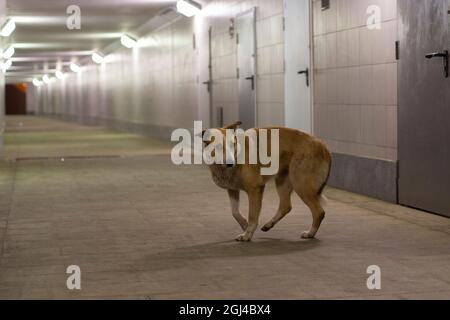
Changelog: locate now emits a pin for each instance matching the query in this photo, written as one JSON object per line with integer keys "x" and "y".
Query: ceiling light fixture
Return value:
{"x": 8, "y": 28}
{"x": 127, "y": 41}
{"x": 97, "y": 58}
{"x": 8, "y": 53}
{"x": 188, "y": 8}
{"x": 46, "y": 79}
{"x": 37, "y": 82}
{"x": 59, "y": 74}
{"x": 6, "y": 65}
{"x": 74, "y": 67}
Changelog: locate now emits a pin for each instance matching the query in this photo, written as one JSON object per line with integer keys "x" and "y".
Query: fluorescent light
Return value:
{"x": 46, "y": 79}
{"x": 6, "y": 65}
{"x": 8, "y": 53}
{"x": 37, "y": 82}
{"x": 59, "y": 74}
{"x": 127, "y": 41}
{"x": 188, "y": 8}
{"x": 8, "y": 28}
{"x": 97, "y": 58}
{"x": 74, "y": 67}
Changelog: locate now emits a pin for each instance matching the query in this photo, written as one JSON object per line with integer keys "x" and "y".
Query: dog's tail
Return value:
{"x": 322, "y": 199}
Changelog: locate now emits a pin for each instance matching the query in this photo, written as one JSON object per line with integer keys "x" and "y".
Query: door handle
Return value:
{"x": 252, "y": 79}
{"x": 208, "y": 83}
{"x": 306, "y": 73}
{"x": 444, "y": 55}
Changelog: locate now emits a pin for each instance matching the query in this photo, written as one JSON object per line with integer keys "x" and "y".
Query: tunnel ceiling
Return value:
{"x": 41, "y": 38}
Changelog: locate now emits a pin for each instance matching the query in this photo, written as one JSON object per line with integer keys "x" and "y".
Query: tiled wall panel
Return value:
{"x": 2, "y": 79}
{"x": 355, "y": 76}
{"x": 270, "y": 57}
{"x": 355, "y": 72}
{"x": 157, "y": 85}
{"x": 153, "y": 86}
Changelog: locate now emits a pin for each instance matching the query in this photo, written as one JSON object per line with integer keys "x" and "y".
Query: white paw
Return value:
{"x": 307, "y": 235}
{"x": 243, "y": 237}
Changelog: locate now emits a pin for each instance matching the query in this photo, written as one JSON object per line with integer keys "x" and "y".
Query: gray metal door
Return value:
{"x": 424, "y": 105}
{"x": 246, "y": 56}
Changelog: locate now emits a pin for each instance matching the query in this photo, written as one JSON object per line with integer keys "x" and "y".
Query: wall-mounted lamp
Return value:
{"x": 127, "y": 41}
{"x": 188, "y": 8}
{"x": 9, "y": 52}
{"x": 59, "y": 75}
{"x": 6, "y": 65}
{"x": 8, "y": 28}
{"x": 97, "y": 58}
{"x": 37, "y": 82}
{"x": 74, "y": 67}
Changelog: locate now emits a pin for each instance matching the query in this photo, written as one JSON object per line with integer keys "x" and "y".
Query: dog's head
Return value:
{"x": 228, "y": 144}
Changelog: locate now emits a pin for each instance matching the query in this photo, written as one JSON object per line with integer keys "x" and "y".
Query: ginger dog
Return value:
{"x": 304, "y": 167}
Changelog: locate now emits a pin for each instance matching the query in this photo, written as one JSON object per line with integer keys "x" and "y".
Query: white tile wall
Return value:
{"x": 355, "y": 76}
{"x": 157, "y": 85}
{"x": 269, "y": 8}
{"x": 272, "y": 111}
{"x": 154, "y": 85}
{"x": 270, "y": 57}
{"x": 2, "y": 83}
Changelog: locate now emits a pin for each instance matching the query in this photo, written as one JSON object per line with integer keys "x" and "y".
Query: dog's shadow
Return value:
{"x": 179, "y": 257}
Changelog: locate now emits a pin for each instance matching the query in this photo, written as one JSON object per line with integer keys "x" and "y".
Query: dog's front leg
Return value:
{"x": 255, "y": 201}
{"x": 234, "y": 200}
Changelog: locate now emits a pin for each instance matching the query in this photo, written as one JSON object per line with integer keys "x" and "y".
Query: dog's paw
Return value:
{"x": 243, "y": 238}
{"x": 267, "y": 227}
{"x": 307, "y": 235}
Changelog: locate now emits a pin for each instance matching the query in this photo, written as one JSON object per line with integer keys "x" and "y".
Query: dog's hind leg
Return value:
{"x": 255, "y": 202}
{"x": 308, "y": 177}
{"x": 234, "y": 200}
{"x": 313, "y": 203}
{"x": 284, "y": 190}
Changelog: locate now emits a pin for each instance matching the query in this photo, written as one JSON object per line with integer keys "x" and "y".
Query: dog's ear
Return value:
{"x": 202, "y": 135}
{"x": 233, "y": 125}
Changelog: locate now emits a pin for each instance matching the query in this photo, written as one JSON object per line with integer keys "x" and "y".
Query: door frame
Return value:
{"x": 202, "y": 39}
{"x": 312, "y": 64}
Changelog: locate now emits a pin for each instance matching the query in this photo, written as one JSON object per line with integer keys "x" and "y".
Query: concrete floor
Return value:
{"x": 141, "y": 228}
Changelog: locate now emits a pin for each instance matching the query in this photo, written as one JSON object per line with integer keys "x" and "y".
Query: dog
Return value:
{"x": 304, "y": 167}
